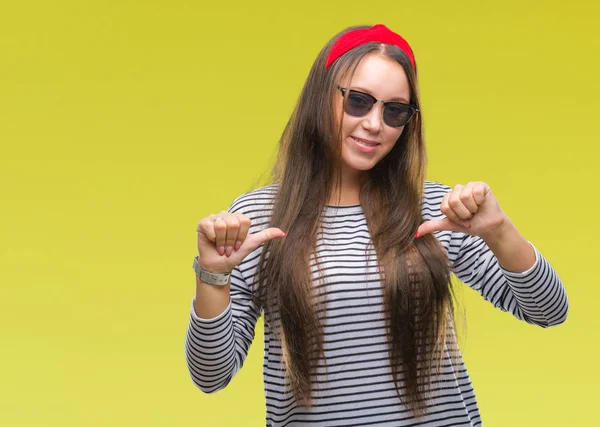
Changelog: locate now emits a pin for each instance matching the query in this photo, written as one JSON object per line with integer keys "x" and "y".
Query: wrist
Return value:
{"x": 211, "y": 277}
{"x": 500, "y": 233}
{"x": 212, "y": 268}
{"x": 513, "y": 251}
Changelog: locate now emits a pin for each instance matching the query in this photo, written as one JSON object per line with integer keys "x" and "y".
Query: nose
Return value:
{"x": 373, "y": 121}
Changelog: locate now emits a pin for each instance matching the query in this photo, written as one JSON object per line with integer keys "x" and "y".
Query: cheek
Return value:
{"x": 393, "y": 135}
{"x": 347, "y": 126}
{"x": 350, "y": 125}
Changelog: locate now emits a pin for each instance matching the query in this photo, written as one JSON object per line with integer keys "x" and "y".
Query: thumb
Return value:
{"x": 253, "y": 241}
{"x": 438, "y": 225}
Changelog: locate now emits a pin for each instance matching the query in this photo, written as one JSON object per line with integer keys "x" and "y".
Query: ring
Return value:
{"x": 217, "y": 218}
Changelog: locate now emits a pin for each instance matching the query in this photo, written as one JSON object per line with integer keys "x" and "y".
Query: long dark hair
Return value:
{"x": 415, "y": 273}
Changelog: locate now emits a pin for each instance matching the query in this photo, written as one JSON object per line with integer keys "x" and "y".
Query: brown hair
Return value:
{"x": 415, "y": 273}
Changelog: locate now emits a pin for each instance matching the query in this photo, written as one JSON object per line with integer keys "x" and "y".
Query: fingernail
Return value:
{"x": 221, "y": 250}
{"x": 284, "y": 234}
{"x": 237, "y": 245}
{"x": 417, "y": 235}
{"x": 229, "y": 250}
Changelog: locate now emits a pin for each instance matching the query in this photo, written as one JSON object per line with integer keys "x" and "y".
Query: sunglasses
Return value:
{"x": 395, "y": 114}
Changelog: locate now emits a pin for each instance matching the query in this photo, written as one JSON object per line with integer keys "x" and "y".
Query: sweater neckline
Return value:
{"x": 343, "y": 209}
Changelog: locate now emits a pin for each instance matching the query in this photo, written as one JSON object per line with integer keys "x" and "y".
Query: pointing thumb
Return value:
{"x": 438, "y": 225}
{"x": 253, "y": 241}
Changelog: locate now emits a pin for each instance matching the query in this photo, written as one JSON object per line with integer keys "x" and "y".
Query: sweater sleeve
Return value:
{"x": 536, "y": 296}
{"x": 215, "y": 349}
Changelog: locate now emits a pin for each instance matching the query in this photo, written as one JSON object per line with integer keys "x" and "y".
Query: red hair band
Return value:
{"x": 376, "y": 33}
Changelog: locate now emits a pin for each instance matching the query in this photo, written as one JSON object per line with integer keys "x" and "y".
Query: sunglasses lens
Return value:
{"x": 396, "y": 115}
{"x": 358, "y": 105}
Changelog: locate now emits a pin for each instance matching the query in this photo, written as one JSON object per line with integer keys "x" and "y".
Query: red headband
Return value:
{"x": 376, "y": 33}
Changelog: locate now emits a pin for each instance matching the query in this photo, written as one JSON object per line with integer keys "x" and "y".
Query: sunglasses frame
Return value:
{"x": 413, "y": 107}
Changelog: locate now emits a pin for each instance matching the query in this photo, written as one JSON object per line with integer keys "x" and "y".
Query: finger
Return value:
{"x": 233, "y": 226}
{"x": 456, "y": 205}
{"x": 438, "y": 225}
{"x": 449, "y": 212}
{"x": 245, "y": 223}
{"x": 253, "y": 241}
{"x": 466, "y": 197}
{"x": 205, "y": 227}
{"x": 220, "y": 228}
{"x": 480, "y": 192}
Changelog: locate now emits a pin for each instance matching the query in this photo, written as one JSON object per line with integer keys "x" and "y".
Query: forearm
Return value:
{"x": 511, "y": 278}
{"x": 513, "y": 251}
{"x": 210, "y": 341}
{"x": 220, "y": 331}
{"x": 211, "y": 300}
{"x": 210, "y": 351}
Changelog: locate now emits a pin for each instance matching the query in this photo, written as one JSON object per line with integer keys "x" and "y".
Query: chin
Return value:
{"x": 357, "y": 161}
{"x": 362, "y": 166}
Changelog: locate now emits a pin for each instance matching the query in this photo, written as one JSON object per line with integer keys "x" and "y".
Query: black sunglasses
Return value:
{"x": 395, "y": 114}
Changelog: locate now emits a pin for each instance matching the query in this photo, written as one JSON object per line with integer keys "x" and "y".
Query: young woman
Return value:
{"x": 357, "y": 297}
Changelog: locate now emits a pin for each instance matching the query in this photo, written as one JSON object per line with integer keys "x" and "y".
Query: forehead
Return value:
{"x": 381, "y": 76}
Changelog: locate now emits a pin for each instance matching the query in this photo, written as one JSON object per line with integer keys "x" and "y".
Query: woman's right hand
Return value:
{"x": 222, "y": 245}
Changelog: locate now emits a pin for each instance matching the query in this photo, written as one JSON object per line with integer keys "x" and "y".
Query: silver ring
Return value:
{"x": 217, "y": 218}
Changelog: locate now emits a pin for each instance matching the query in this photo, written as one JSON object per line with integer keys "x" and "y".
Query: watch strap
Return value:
{"x": 220, "y": 279}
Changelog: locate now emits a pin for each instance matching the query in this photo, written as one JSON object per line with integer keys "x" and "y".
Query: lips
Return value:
{"x": 366, "y": 141}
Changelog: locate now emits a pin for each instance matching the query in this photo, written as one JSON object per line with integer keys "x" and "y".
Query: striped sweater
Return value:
{"x": 357, "y": 388}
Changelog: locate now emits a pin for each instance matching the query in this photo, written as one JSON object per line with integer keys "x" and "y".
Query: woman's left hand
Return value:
{"x": 471, "y": 209}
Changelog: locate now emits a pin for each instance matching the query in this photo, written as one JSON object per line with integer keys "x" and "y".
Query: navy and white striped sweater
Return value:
{"x": 358, "y": 388}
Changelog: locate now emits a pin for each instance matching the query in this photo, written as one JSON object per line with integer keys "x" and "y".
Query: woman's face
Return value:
{"x": 385, "y": 79}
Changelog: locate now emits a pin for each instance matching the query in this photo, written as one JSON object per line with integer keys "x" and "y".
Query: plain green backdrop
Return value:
{"x": 123, "y": 123}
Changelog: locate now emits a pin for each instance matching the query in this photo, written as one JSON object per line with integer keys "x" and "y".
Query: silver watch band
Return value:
{"x": 220, "y": 279}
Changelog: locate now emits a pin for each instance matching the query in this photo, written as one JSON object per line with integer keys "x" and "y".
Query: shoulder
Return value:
{"x": 256, "y": 202}
{"x": 433, "y": 193}
{"x": 434, "y": 190}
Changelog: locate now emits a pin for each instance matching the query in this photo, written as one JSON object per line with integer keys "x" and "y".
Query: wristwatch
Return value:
{"x": 220, "y": 279}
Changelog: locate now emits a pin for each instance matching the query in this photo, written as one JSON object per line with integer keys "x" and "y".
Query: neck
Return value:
{"x": 349, "y": 191}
